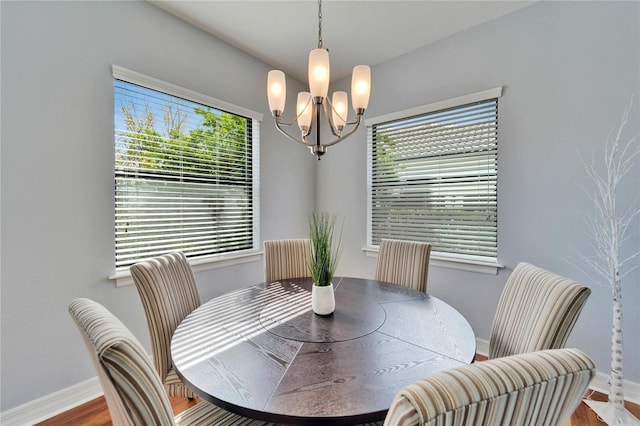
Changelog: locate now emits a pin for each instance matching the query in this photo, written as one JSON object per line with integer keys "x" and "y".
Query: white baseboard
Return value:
{"x": 53, "y": 404}
{"x": 600, "y": 382}
{"x": 631, "y": 390}
{"x": 66, "y": 399}
{"x": 482, "y": 347}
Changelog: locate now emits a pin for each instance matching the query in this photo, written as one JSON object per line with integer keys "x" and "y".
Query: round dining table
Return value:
{"x": 260, "y": 351}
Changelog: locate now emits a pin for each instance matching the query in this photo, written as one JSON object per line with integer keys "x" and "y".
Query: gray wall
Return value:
{"x": 568, "y": 69}
{"x": 57, "y": 171}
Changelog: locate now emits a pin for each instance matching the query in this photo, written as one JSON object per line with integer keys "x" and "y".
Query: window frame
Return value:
{"x": 440, "y": 259}
{"x": 121, "y": 275}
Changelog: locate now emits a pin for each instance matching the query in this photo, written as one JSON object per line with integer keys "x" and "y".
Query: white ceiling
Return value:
{"x": 281, "y": 33}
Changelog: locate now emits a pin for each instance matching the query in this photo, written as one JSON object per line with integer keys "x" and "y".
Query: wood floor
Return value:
{"x": 96, "y": 413}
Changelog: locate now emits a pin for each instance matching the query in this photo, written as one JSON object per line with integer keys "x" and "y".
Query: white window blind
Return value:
{"x": 185, "y": 175}
{"x": 433, "y": 177}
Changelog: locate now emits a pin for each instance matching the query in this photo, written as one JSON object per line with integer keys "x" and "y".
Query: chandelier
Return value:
{"x": 311, "y": 104}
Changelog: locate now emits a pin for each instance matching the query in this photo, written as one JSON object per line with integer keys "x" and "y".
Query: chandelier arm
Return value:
{"x": 303, "y": 141}
{"x": 359, "y": 114}
{"x": 346, "y": 135}
{"x": 289, "y": 123}
{"x": 284, "y": 132}
{"x": 278, "y": 116}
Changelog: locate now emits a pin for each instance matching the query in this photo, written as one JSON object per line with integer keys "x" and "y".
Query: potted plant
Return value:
{"x": 325, "y": 252}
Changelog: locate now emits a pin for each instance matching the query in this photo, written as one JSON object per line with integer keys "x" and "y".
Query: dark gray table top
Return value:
{"x": 260, "y": 351}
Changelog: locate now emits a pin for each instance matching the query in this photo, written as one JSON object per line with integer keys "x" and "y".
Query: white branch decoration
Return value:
{"x": 608, "y": 231}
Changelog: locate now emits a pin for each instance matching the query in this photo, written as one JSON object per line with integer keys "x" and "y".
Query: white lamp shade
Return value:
{"x": 304, "y": 110}
{"x": 276, "y": 90}
{"x": 360, "y": 87}
{"x": 319, "y": 72}
{"x": 340, "y": 104}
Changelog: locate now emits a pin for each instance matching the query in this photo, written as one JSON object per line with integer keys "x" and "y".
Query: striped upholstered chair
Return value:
{"x": 537, "y": 389}
{"x": 169, "y": 293}
{"x": 286, "y": 259}
{"x": 134, "y": 393}
{"x": 537, "y": 310}
{"x": 404, "y": 263}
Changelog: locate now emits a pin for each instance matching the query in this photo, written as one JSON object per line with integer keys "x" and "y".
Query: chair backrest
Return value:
{"x": 286, "y": 259}
{"x": 537, "y": 388}
{"x": 169, "y": 293}
{"x": 404, "y": 263}
{"x": 134, "y": 393}
{"x": 537, "y": 310}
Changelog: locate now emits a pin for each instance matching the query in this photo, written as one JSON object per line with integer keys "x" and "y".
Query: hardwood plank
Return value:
{"x": 96, "y": 413}
{"x": 585, "y": 416}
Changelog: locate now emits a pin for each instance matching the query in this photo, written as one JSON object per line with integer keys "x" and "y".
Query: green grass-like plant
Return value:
{"x": 325, "y": 249}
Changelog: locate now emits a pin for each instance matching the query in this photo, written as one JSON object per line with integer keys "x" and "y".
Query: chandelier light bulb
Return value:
{"x": 340, "y": 104}
{"x": 319, "y": 73}
{"x": 304, "y": 110}
{"x": 277, "y": 90}
{"x": 360, "y": 87}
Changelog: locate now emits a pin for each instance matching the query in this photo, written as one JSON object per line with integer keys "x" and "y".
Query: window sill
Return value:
{"x": 451, "y": 261}
{"x": 122, "y": 277}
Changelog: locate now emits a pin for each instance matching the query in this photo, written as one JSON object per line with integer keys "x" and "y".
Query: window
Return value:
{"x": 185, "y": 172}
{"x": 433, "y": 177}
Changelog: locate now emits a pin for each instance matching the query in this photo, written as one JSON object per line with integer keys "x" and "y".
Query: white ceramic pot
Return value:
{"x": 323, "y": 300}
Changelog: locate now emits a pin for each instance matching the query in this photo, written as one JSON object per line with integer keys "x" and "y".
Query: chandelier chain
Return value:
{"x": 319, "y": 23}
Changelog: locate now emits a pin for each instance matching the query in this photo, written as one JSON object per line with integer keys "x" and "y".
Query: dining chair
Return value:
{"x": 537, "y": 310}
{"x": 168, "y": 292}
{"x": 536, "y": 388}
{"x": 133, "y": 390}
{"x": 404, "y": 263}
{"x": 285, "y": 259}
